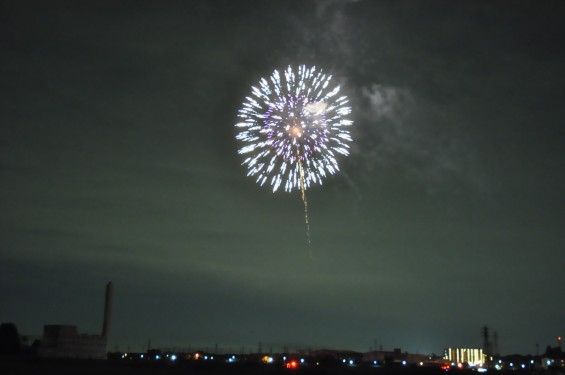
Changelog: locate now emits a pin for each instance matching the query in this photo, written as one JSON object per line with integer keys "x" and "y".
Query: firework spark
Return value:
{"x": 293, "y": 126}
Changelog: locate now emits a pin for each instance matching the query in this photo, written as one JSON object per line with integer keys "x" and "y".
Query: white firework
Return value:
{"x": 293, "y": 126}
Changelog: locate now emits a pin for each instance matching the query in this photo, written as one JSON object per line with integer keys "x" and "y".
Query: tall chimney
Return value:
{"x": 107, "y": 310}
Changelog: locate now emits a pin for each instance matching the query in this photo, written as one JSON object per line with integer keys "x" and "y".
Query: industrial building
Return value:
{"x": 64, "y": 341}
{"x": 471, "y": 357}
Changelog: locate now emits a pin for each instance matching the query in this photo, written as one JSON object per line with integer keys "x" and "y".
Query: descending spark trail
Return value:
{"x": 292, "y": 127}
{"x": 305, "y": 203}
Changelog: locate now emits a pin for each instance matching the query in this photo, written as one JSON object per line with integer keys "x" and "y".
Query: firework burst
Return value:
{"x": 293, "y": 121}
{"x": 293, "y": 126}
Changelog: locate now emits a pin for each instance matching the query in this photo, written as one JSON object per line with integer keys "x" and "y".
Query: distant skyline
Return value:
{"x": 118, "y": 162}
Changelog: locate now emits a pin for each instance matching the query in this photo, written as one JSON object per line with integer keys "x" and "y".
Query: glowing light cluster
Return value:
{"x": 292, "y": 364}
{"x": 293, "y": 126}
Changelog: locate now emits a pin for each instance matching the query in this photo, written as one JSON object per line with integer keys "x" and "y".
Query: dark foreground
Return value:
{"x": 64, "y": 367}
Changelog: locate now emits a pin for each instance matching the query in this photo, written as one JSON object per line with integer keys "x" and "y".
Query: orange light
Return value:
{"x": 292, "y": 365}
{"x": 296, "y": 131}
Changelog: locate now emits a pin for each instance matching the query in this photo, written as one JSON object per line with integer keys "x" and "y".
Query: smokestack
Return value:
{"x": 107, "y": 310}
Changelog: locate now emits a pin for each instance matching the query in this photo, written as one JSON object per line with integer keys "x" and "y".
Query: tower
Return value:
{"x": 486, "y": 342}
{"x": 107, "y": 311}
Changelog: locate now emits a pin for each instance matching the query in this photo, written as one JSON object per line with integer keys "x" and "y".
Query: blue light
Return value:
{"x": 157, "y": 356}
{"x": 351, "y": 362}
{"x": 403, "y": 363}
{"x": 301, "y": 360}
{"x": 173, "y": 357}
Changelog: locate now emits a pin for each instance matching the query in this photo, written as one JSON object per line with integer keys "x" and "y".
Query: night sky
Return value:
{"x": 118, "y": 162}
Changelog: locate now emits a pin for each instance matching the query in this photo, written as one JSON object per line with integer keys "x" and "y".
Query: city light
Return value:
{"x": 292, "y": 365}
{"x": 474, "y": 357}
{"x": 301, "y": 361}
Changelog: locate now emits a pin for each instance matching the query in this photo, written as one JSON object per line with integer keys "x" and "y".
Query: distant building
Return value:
{"x": 385, "y": 357}
{"x": 64, "y": 341}
{"x": 330, "y": 356}
{"x": 472, "y": 357}
{"x": 400, "y": 358}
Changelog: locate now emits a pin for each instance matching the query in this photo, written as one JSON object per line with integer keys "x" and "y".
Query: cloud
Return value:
{"x": 323, "y": 5}
{"x": 396, "y": 129}
{"x": 387, "y": 101}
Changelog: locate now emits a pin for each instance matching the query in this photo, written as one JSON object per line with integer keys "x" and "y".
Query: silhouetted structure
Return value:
{"x": 486, "y": 341}
{"x": 107, "y": 310}
{"x": 64, "y": 341}
{"x": 9, "y": 340}
{"x": 398, "y": 357}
